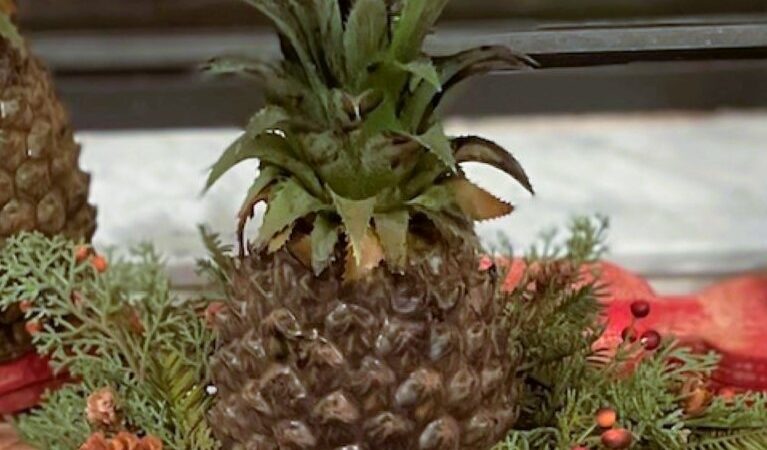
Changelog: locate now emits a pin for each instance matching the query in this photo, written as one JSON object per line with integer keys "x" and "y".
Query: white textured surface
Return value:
{"x": 686, "y": 194}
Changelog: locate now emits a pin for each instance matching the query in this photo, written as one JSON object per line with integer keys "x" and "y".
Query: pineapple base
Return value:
{"x": 413, "y": 361}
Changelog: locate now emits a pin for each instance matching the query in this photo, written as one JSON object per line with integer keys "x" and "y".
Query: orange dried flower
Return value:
{"x": 101, "y": 409}
{"x": 122, "y": 441}
{"x": 97, "y": 441}
{"x": 151, "y": 443}
{"x": 125, "y": 441}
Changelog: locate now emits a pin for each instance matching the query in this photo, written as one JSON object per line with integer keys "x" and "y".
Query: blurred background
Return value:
{"x": 653, "y": 112}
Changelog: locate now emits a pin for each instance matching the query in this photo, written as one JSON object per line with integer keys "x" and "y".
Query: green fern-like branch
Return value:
{"x": 122, "y": 329}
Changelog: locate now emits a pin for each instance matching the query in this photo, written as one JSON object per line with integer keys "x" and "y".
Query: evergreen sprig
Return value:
{"x": 567, "y": 381}
{"x": 123, "y": 329}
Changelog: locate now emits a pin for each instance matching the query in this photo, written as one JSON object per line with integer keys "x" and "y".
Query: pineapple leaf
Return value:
{"x": 450, "y": 224}
{"x": 459, "y": 66}
{"x": 366, "y": 31}
{"x": 415, "y": 22}
{"x": 427, "y": 170}
{"x": 256, "y": 194}
{"x": 332, "y": 32}
{"x": 9, "y": 31}
{"x": 392, "y": 229}
{"x": 383, "y": 118}
{"x": 288, "y": 203}
{"x": 324, "y": 238}
{"x": 301, "y": 249}
{"x": 437, "y": 198}
{"x": 356, "y": 215}
{"x": 266, "y": 177}
{"x": 279, "y": 12}
{"x": 422, "y": 70}
{"x": 271, "y": 149}
{"x": 439, "y": 204}
{"x": 476, "y": 149}
{"x": 280, "y": 239}
{"x": 237, "y": 65}
{"x": 437, "y": 142}
{"x": 371, "y": 257}
{"x": 476, "y": 202}
{"x": 452, "y": 70}
{"x": 307, "y": 29}
{"x": 266, "y": 119}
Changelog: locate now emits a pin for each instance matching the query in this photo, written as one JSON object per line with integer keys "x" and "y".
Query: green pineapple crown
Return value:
{"x": 349, "y": 142}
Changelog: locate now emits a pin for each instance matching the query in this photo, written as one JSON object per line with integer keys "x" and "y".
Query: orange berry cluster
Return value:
{"x": 612, "y": 437}
{"x": 86, "y": 253}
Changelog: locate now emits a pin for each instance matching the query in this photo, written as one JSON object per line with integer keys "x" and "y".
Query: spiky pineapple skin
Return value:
{"x": 413, "y": 361}
{"x": 42, "y": 187}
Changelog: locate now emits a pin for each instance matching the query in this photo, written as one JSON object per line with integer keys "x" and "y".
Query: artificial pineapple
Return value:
{"x": 41, "y": 186}
{"x": 358, "y": 318}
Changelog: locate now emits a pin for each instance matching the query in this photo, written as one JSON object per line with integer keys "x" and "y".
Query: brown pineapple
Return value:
{"x": 42, "y": 187}
{"x": 358, "y": 319}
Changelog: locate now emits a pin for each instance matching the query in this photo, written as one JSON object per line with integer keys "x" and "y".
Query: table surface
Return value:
{"x": 685, "y": 193}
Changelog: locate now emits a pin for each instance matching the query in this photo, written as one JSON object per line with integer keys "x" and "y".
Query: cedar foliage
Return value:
{"x": 567, "y": 382}
{"x": 160, "y": 373}
{"x": 123, "y": 329}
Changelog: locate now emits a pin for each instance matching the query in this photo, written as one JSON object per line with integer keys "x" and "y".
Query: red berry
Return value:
{"x": 629, "y": 334}
{"x": 99, "y": 263}
{"x": 640, "y": 309}
{"x": 579, "y": 447}
{"x": 82, "y": 252}
{"x": 618, "y": 438}
{"x": 606, "y": 417}
{"x": 650, "y": 339}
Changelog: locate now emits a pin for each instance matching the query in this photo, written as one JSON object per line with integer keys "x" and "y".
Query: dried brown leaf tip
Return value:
{"x": 371, "y": 255}
{"x": 476, "y": 202}
{"x": 101, "y": 409}
{"x": 122, "y": 441}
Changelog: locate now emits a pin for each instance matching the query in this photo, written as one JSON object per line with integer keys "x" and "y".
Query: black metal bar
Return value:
{"x": 100, "y": 51}
{"x": 145, "y": 79}
{"x": 186, "y": 100}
